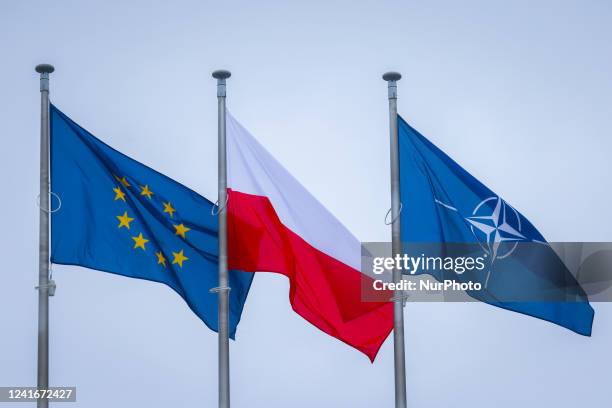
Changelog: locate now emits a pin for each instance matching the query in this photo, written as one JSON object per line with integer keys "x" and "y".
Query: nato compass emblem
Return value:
{"x": 498, "y": 231}
{"x": 496, "y": 225}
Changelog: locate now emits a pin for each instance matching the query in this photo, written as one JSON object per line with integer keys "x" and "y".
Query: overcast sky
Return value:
{"x": 519, "y": 93}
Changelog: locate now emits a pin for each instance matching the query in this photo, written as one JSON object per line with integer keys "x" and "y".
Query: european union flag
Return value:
{"x": 444, "y": 204}
{"x": 120, "y": 216}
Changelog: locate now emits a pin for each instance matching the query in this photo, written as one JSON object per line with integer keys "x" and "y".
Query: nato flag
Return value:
{"x": 120, "y": 216}
{"x": 444, "y": 204}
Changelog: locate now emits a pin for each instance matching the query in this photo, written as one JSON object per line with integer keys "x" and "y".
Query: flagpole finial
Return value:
{"x": 221, "y": 74}
{"x": 45, "y": 68}
{"x": 392, "y": 76}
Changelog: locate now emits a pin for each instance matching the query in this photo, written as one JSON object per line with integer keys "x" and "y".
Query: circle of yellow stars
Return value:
{"x": 140, "y": 242}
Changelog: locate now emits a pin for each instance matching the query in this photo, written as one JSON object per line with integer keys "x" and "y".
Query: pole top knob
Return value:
{"x": 221, "y": 74}
{"x": 392, "y": 76}
{"x": 45, "y": 68}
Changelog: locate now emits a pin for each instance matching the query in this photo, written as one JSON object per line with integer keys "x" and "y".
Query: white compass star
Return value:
{"x": 495, "y": 228}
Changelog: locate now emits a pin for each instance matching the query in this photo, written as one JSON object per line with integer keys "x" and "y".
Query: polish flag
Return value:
{"x": 276, "y": 225}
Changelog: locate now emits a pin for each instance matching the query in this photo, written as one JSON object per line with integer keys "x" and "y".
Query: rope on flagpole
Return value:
{"x": 48, "y": 210}
{"x": 394, "y": 218}
{"x": 215, "y": 213}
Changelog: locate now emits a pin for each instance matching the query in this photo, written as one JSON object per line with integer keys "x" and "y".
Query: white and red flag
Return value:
{"x": 276, "y": 225}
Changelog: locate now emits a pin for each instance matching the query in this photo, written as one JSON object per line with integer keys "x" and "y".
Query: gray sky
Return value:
{"x": 518, "y": 92}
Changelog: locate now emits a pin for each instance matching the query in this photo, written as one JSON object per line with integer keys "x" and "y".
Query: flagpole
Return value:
{"x": 43, "y": 237}
{"x": 223, "y": 289}
{"x": 398, "y": 299}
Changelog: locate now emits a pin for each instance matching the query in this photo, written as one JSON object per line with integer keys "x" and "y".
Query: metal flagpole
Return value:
{"x": 43, "y": 238}
{"x": 398, "y": 297}
{"x": 223, "y": 289}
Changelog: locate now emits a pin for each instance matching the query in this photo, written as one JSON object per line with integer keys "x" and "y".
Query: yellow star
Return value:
{"x": 146, "y": 192}
{"x": 119, "y": 195}
{"x": 168, "y": 209}
{"x": 123, "y": 181}
{"x": 179, "y": 258}
{"x": 124, "y": 220}
{"x": 181, "y": 230}
{"x": 160, "y": 258}
{"x": 140, "y": 241}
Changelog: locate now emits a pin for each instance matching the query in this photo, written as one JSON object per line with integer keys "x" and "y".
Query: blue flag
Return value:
{"x": 444, "y": 204}
{"x": 120, "y": 216}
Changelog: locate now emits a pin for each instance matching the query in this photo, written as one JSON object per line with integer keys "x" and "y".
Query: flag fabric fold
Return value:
{"x": 443, "y": 203}
{"x": 120, "y": 216}
{"x": 276, "y": 225}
